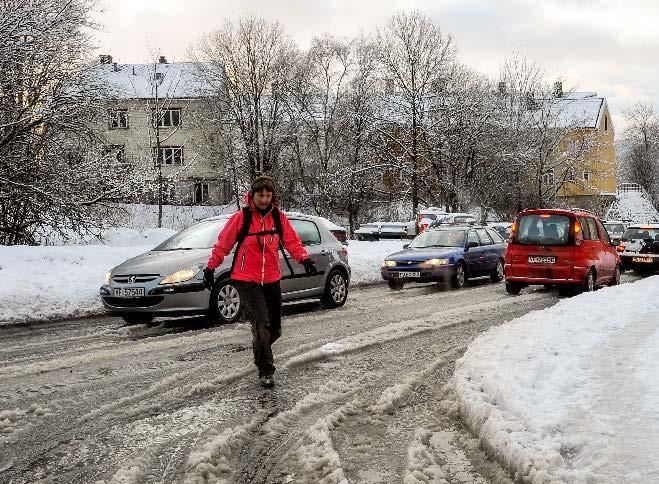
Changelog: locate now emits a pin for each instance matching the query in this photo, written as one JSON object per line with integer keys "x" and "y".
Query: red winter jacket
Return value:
{"x": 256, "y": 262}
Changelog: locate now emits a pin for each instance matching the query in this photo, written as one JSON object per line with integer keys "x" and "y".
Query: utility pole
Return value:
{"x": 156, "y": 120}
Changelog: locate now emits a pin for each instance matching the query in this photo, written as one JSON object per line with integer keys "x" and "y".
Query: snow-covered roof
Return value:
{"x": 177, "y": 80}
{"x": 578, "y": 109}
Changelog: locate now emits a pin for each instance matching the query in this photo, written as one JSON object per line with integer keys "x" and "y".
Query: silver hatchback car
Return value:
{"x": 168, "y": 280}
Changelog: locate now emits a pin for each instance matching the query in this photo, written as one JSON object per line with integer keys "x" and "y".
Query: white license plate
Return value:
{"x": 647, "y": 260}
{"x": 541, "y": 259}
{"x": 407, "y": 274}
{"x": 128, "y": 292}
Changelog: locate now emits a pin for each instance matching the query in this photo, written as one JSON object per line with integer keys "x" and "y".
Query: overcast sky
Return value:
{"x": 607, "y": 46}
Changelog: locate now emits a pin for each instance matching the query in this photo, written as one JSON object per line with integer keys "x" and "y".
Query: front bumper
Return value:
{"x": 184, "y": 298}
{"x": 426, "y": 274}
{"x": 628, "y": 262}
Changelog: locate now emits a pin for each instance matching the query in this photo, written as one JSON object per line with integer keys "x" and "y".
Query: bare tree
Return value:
{"x": 52, "y": 169}
{"x": 249, "y": 63}
{"x": 640, "y": 162}
{"x": 415, "y": 55}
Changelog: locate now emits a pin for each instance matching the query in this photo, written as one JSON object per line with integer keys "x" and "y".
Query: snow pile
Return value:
{"x": 570, "y": 393}
{"x": 365, "y": 258}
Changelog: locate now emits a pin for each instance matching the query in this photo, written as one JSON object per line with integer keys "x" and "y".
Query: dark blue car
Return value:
{"x": 451, "y": 254}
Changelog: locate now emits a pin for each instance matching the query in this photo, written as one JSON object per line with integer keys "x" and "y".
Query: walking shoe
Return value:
{"x": 267, "y": 381}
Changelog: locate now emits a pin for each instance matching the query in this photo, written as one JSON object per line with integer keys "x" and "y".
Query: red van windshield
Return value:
{"x": 544, "y": 229}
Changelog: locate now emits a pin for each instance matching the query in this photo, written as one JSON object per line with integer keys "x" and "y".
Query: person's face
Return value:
{"x": 262, "y": 199}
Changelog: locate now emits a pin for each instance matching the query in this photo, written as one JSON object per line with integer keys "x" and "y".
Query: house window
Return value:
{"x": 171, "y": 155}
{"x": 586, "y": 175}
{"x": 115, "y": 151}
{"x": 166, "y": 118}
{"x": 117, "y": 118}
{"x": 200, "y": 194}
{"x": 570, "y": 175}
{"x": 572, "y": 146}
{"x": 606, "y": 123}
{"x": 548, "y": 177}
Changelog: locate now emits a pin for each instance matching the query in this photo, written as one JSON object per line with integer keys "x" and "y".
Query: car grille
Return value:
{"x": 134, "y": 302}
{"x": 123, "y": 279}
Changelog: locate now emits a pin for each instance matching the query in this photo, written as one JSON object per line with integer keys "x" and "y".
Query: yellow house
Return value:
{"x": 584, "y": 162}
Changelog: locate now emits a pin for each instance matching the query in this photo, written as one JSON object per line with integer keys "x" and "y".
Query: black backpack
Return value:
{"x": 244, "y": 233}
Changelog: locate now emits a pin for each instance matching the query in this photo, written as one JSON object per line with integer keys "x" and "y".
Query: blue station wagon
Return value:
{"x": 447, "y": 254}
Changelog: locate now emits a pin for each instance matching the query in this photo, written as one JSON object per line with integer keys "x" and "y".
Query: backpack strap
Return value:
{"x": 276, "y": 217}
{"x": 242, "y": 235}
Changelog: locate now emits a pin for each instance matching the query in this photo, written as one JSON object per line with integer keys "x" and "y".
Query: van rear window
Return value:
{"x": 544, "y": 229}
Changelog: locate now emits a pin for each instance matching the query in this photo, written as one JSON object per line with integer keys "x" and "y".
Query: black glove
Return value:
{"x": 209, "y": 278}
{"x": 309, "y": 267}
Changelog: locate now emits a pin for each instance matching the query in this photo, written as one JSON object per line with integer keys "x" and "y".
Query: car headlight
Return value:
{"x": 389, "y": 263}
{"x": 106, "y": 281}
{"x": 181, "y": 275}
{"x": 436, "y": 262}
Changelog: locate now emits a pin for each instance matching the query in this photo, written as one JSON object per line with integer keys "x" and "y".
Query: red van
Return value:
{"x": 568, "y": 248}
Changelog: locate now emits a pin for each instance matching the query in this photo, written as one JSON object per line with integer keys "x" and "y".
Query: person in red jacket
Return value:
{"x": 255, "y": 269}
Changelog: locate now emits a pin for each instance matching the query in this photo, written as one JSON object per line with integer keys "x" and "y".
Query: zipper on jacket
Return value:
{"x": 262, "y": 252}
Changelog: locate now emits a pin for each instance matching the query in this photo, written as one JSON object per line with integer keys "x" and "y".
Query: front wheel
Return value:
{"x": 336, "y": 290}
{"x": 497, "y": 273}
{"x": 225, "y": 306}
{"x": 460, "y": 276}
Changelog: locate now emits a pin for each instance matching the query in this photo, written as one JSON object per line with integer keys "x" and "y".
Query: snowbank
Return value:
{"x": 48, "y": 282}
{"x": 570, "y": 393}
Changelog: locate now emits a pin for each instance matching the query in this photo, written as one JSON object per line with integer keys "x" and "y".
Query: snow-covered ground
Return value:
{"x": 570, "y": 393}
{"x": 46, "y": 282}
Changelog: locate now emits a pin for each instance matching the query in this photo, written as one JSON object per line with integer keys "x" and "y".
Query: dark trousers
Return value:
{"x": 262, "y": 303}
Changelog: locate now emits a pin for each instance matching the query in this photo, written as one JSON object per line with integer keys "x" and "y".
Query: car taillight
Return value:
{"x": 578, "y": 233}
{"x": 344, "y": 251}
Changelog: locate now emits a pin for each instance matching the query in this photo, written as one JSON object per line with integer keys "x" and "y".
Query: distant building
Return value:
{"x": 590, "y": 174}
{"x": 155, "y": 116}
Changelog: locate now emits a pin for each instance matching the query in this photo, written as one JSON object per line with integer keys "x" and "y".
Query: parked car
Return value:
{"x": 615, "y": 228}
{"x": 167, "y": 281}
{"x": 427, "y": 216}
{"x": 502, "y": 227}
{"x": 568, "y": 248}
{"x": 339, "y": 232}
{"x": 447, "y": 253}
{"x": 382, "y": 230}
{"x": 639, "y": 248}
{"x": 454, "y": 218}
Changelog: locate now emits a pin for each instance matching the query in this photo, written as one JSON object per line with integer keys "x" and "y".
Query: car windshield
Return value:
{"x": 200, "y": 236}
{"x": 544, "y": 229}
{"x": 615, "y": 228}
{"x": 439, "y": 238}
{"x": 641, "y": 233}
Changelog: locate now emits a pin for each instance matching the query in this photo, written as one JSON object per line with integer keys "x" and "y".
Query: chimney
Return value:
{"x": 105, "y": 59}
{"x": 114, "y": 66}
{"x": 162, "y": 60}
{"x": 558, "y": 89}
{"x": 502, "y": 87}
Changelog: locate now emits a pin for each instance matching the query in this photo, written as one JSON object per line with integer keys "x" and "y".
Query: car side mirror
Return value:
{"x": 405, "y": 246}
{"x": 472, "y": 244}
